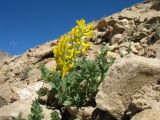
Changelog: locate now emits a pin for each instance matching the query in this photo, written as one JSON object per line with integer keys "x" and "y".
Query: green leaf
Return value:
{"x": 67, "y": 103}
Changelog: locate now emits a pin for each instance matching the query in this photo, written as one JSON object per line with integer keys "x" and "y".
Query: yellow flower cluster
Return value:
{"x": 72, "y": 45}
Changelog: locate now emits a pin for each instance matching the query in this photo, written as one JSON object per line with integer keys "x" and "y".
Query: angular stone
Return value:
{"x": 102, "y": 25}
{"x": 51, "y": 65}
{"x": 125, "y": 77}
{"x": 130, "y": 15}
{"x": 34, "y": 75}
{"x": 116, "y": 39}
{"x": 149, "y": 16}
{"x": 148, "y": 114}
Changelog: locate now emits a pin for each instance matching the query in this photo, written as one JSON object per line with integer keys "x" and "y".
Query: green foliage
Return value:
{"x": 79, "y": 86}
{"x": 42, "y": 91}
{"x": 36, "y": 111}
{"x": 102, "y": 62}
{"x": 55, "y": 116}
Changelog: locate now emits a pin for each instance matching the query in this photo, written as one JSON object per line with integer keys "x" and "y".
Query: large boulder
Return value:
{"x": 23, "y": 105}
{"x": 126, "y": 77}
{"x": 14, "y": 109}
{"x": 148, "y": 114}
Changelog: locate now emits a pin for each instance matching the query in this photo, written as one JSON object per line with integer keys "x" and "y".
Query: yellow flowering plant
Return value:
{"x": 72, "y": 45}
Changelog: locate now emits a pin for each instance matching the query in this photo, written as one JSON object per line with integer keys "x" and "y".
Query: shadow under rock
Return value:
{"x": 99, "y": 114}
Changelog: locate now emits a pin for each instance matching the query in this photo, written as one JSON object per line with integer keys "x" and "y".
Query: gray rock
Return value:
{"x": 111, "y": 22}
{"x": 156, "y": 6}
{"x": 3, "y": 57}
{"x": 18, "y": 107}
{"x": 51, "y": 65}
{"x": 42, "y": 51}
{"x": 23, "y": 105}
{"x": 34, "y": 75}
{"x": 130, "y": 15}
{"x": 6, "y": 95}
{"x": 121, "y": 26}
{"x": 83, "y": 113}
{"x": 148, "y": 114}
{"x": 116, "y": 39}
{"x": 6, "y": 118}
{"x": 150, "y": 16}
{"x": 125, "y": 77}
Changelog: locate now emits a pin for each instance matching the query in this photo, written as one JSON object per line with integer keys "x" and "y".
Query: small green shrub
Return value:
{"x": 36, "y": 111}
{"x": 54, "y": 116}
{"x": 42, "y": 91}
{"x": 79, "y": 86}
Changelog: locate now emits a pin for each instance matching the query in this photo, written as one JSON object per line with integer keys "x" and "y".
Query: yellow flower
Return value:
{"x": 81, "y": 23}
{"x": 53, "y": 70}
{"x": 66, "y": 69}
{"x": 88, "y": 34}
{"x": 71, "y": 46}
{"x": 86, "y": 46}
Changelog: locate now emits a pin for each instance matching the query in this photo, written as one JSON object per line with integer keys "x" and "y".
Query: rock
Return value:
{"x": 34, "y": 75}
{"x": 2, "y": 102}
{"x": 143, "y": 40}
{"x": 145, "y": 98}
{"x": 113, "y": 48}
{"x": 130, "y": 15}
{"x": 150, "y": 17}
{"x": 121, "y": 26}
{"x": 92, "y": 53}
{"x": 112, "y": 54}
{"x": 28, "y": 93}
{"x": 139, "y": 35}
{"x": 99, "y": 36}
{"x": 123, "y": 51}
{"x": 148, "y": 114}
{"x": 18, "y": 107}
{"x": 23, "y": 105}
{"x": 103, "y": 36}
{"x": 125, "y": 44}
{"x": 83, "y": 113}
{"x": 3, "y": 57}
{"x": 134, "y": 50}
{"x": 102, "y": 25}
{"x": 51, "y": 65}
{"x": 114, "y": 16}
{"x": 116, "y": 39}
{"x": 125, "y": 77}
{"x": 99, "y": 114}
{"x": 156, "y": 6}
{"x": 125, "y": 23}
{"x": 141, "y": 52}
{"x": 6, "y": 118}
{"x": 16, "y": 67}
{"x": 42, "y": 51}
{"x": 111, "y": 22}
{"x": 6, "y": 95}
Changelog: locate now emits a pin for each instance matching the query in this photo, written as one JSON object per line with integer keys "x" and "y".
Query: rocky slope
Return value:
{"x": 130, "y": 90}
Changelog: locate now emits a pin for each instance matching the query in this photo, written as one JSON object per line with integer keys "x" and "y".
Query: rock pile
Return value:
{"x": 131, "y": 89}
